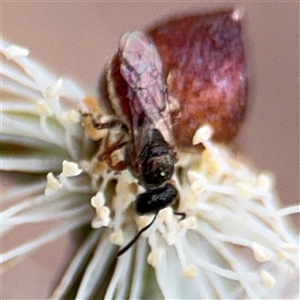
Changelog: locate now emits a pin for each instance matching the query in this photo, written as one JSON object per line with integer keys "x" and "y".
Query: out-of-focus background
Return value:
{"x": 76, "y": 39}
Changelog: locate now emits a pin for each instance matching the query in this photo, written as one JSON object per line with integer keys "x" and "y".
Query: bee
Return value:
{"x": 143, "y": 116}
{"x": 151, "y": 153}
{"x": 166, "y": 83}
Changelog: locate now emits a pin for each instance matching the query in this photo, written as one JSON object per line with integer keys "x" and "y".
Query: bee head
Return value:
{"x": 158, "y": 167}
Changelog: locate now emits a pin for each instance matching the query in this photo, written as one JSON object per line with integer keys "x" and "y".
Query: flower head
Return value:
{"x": 233, "y": 242}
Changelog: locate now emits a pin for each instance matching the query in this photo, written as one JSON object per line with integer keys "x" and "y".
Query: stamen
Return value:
{"x": 264, "y": 182}
{"x": 288, "y": 211}
{"x": 103, "y": 214}
{"x": 171, "y": 236}
{"x": 199, "y": 185}
{"x": 261, "y": 253}
{"x": 143, "y": 221}
{"x": 70, "y": 169}
{"x": 52, "y": 182}
{"x": 245, "y": 190}
{"x": 14, "y": 50}
{"x": 52, "y": 91}
{"x": 238, "y": 13}
{"x": 166, "y": 214}
{"x": 96, "y": 222}
{"x": 154, "y": 257}
{"x": 190, "y": 272}
{"x": 267, "y": 279}
{"x": 98, "y": 200}
{"x": 289, "y": 248}
{"x": 43, "y": 109}
{"x": 212, "y": 163}
{"x": 203, "y": 134}
{"x": 188, "y": 223}
{"x": 117, "y": 237}
{"x": 282, "y": 255}
{"x": 72, "y": 116}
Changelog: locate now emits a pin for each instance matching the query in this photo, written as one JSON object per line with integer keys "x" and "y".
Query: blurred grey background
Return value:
{"x": 76, "y": 39}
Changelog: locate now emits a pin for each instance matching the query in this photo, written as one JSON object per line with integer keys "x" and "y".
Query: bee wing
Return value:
{"x": 142, "y": 69}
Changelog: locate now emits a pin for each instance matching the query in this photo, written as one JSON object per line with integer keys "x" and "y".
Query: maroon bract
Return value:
{"x": 203, "y": 59}
{"x": 204, "y": 66}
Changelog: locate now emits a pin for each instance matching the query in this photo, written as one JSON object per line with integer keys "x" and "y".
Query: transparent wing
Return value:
{"x": 141, "y": 67}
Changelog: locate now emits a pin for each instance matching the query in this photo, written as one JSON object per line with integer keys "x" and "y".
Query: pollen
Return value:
{"x": 264, "y": 182}
{"x": 70, "y": 169}
{"x": 98, "y": 200}
{"x": 96, "y": 222}
{"x": 199, "y": 185}
{"x": 171, "y": 237}
{"x": 14, "y": 50}
{"x": 99, "y": 167}
{"x": 189, "y": 223}
{"x": 53, "y": 90}
{"x": 261, "y": 253}
{"x": 143, "y": 221}
{"x": 43, "y": 109}
{"x": 282, "y": 255}
{"x": 210, "y": 164}
{"x": 245, "y": 190}
{"x": 104, "y": 213}
{"x": 91, "y": 131}
{"x": 192, "y": 175}
{"x": 166, "y": 214}
{"x": 289, "y": 248}
{"x": 190, "y": 272}
{"x": 203, "y": 134}
{"x": 238, "y": 14}
{"x": 267, "y": 279}
{"x": 117, "y": 237}
{"x": 52, "y": 182}
{"x": 72, "y": 116}
{"x": 92, "y": 105}
{"x": 154, "y": 257}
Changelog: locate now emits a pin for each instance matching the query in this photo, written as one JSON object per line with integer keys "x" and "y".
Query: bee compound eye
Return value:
{"x": 156, "y": 199}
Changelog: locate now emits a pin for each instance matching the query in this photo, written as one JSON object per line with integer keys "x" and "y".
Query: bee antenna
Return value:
{"x": 123, "y": 250}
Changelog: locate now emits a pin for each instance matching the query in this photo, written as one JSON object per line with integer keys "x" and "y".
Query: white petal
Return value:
{"x": 97, "y": 268}
{"x": 77, "y": 265}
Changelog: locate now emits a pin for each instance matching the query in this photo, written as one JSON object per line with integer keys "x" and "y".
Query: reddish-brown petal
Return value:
{"x": 203, "y": 58}
{"x": 204, "y": 63}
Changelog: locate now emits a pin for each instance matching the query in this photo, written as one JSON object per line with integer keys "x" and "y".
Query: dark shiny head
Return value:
{"x": 154, "y": 200}
{"x": 158, "y": 168}
{"x": 157, "y": 161}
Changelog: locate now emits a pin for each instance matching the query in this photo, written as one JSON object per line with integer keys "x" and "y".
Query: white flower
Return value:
{"x": 234, "y": 242}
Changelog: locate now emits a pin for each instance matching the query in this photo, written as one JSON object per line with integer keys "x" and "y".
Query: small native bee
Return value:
{"x": 144, "y": 116}
{"x": 166, "y": 83}
{"x": 151, "y": 153}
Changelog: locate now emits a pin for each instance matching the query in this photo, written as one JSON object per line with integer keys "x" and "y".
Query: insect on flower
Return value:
{"x": 150, "y": 154}
{"x": 165, "y": 84}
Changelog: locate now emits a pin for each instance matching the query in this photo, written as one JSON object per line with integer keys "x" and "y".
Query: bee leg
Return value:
{"x": 181, "y": 214}
{"x": 100, "y": 122}
{"x": 107, "y": 155}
